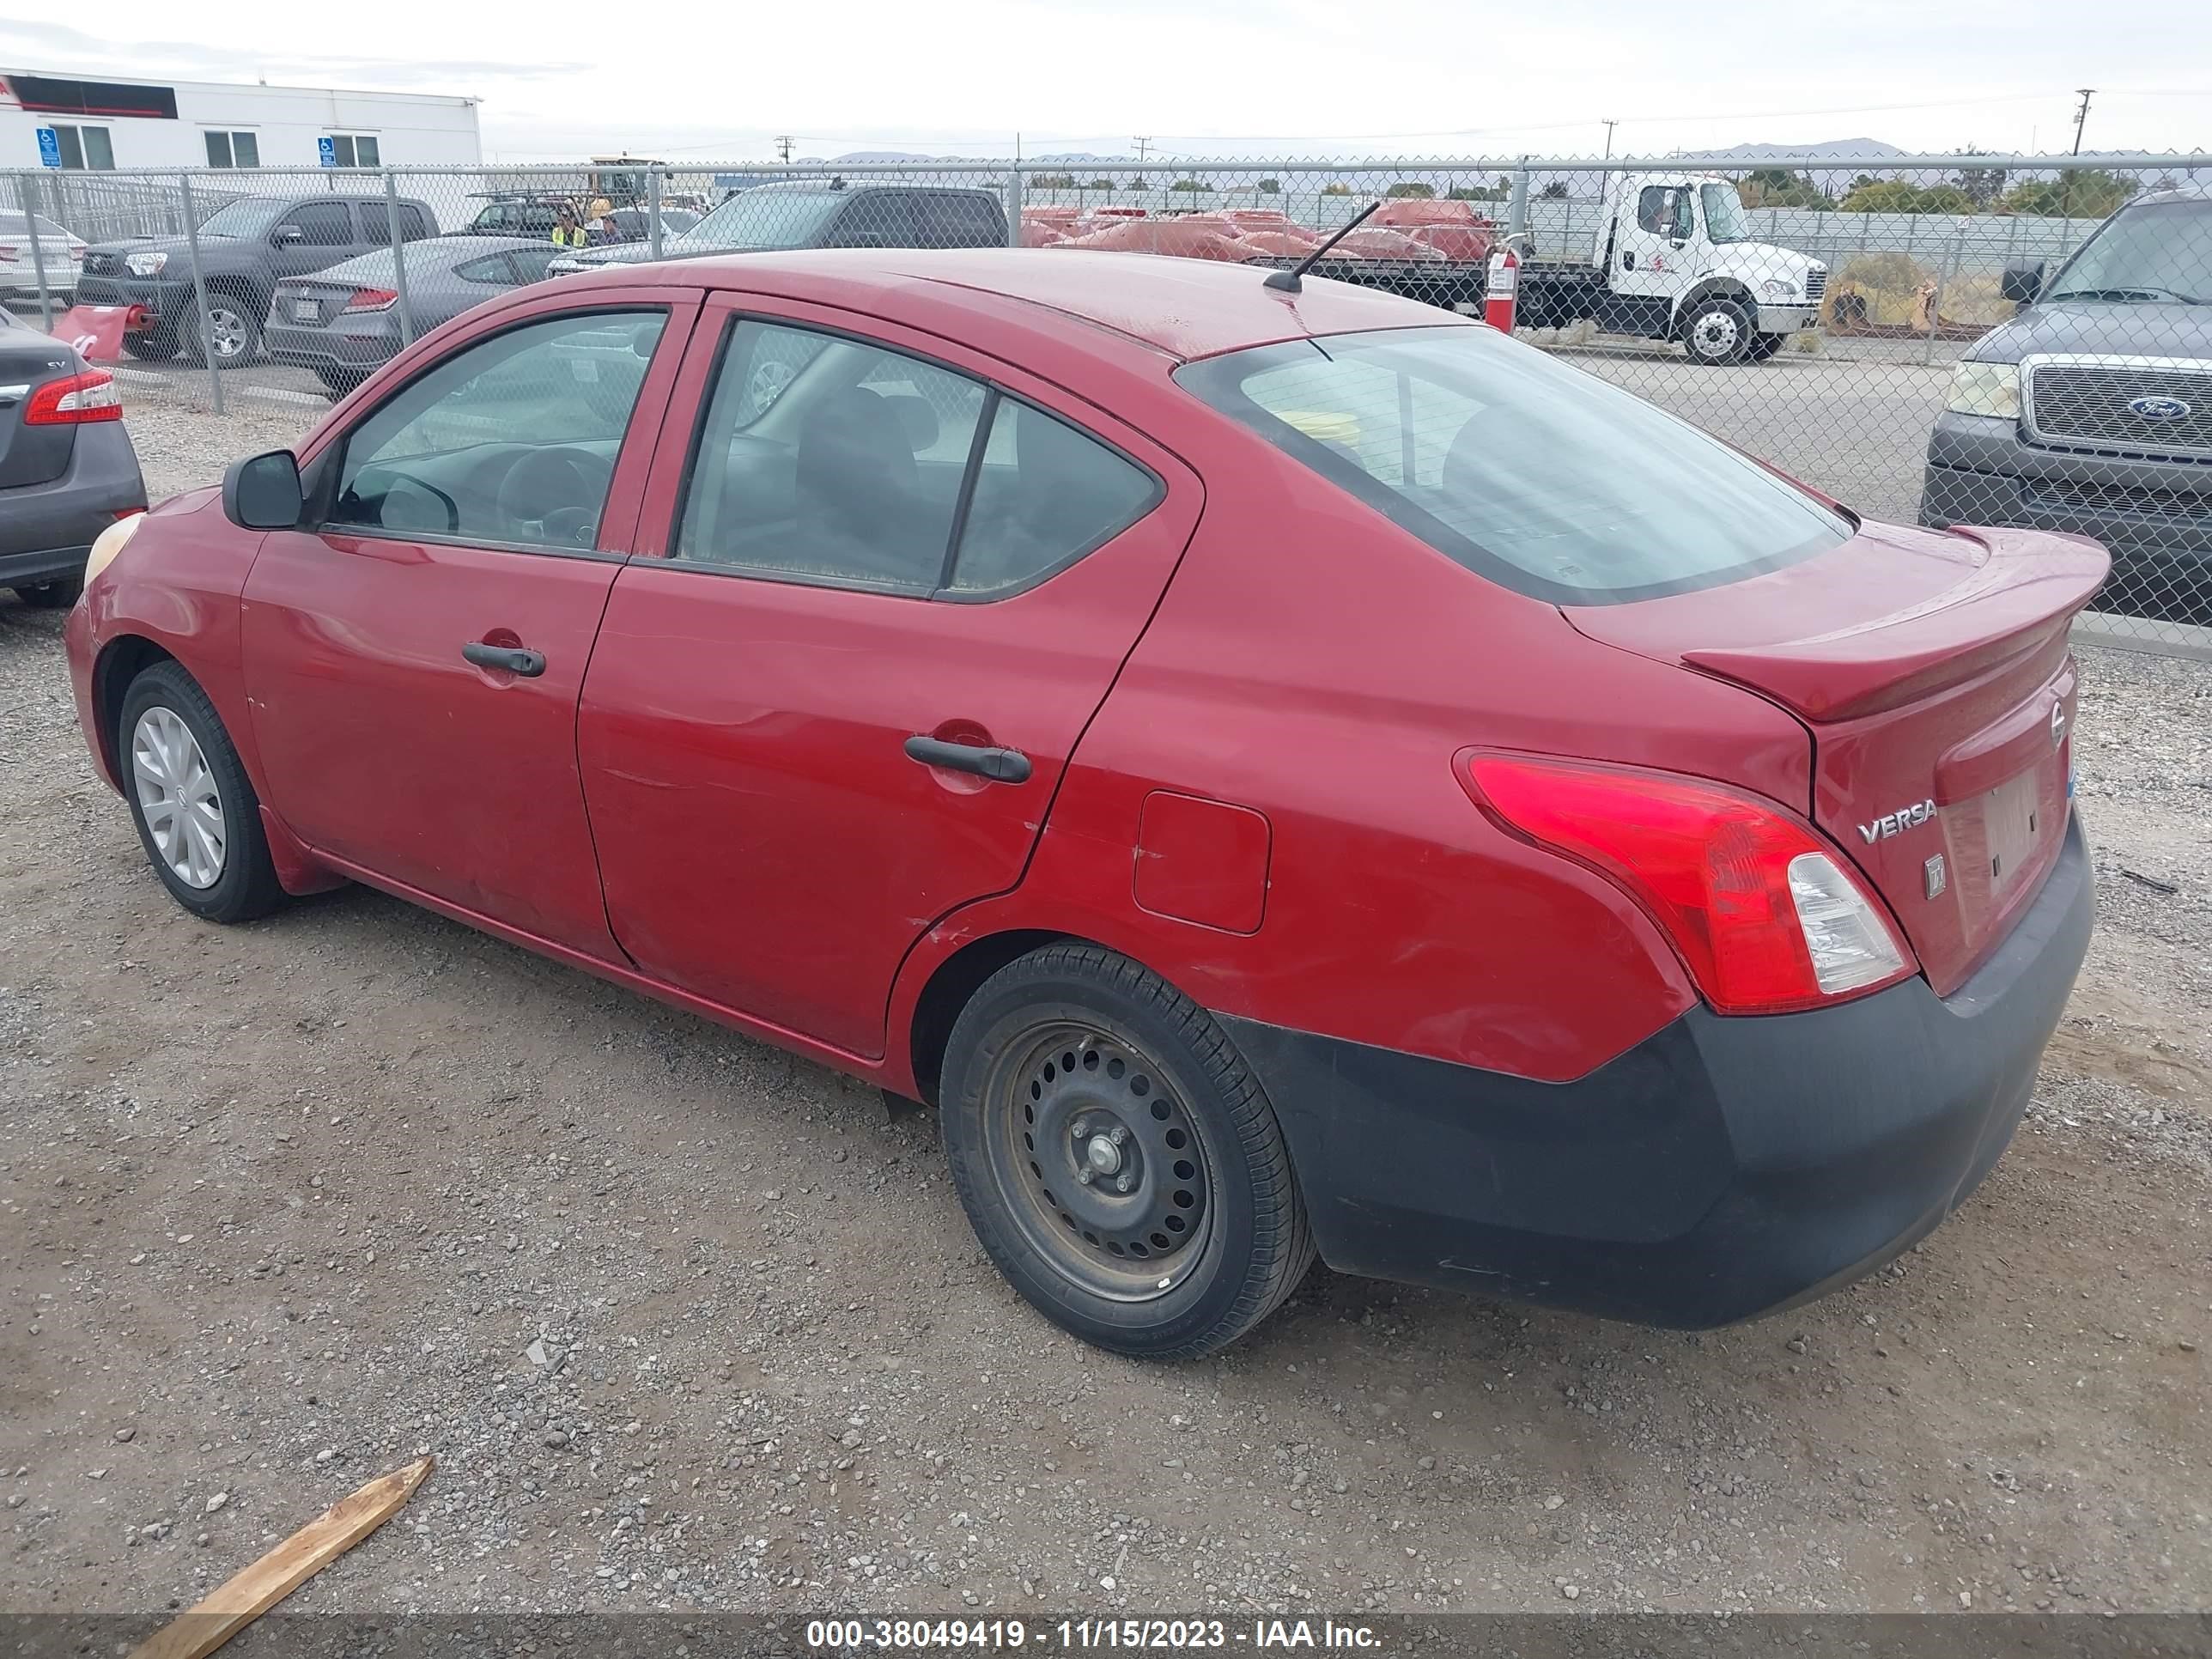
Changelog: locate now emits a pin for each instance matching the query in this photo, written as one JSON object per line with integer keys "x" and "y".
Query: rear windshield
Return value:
{"x": 1531, "y": 473}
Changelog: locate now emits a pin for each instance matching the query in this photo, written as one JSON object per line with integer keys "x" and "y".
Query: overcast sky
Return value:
{"x": 559, "y": 79}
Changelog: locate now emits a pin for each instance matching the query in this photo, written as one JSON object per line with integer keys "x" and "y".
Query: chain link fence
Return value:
{"x": 1963, "y": 339}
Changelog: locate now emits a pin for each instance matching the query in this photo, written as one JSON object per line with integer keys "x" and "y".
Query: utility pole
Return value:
{"x": 2081, "y": 116}
{"x": 1143, "y": 144}
{"x": 783, "y": 149}
{"x": 2066, "y": 178}
{"x": 1609, "y": 126}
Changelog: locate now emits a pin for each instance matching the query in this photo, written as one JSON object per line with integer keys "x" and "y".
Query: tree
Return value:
{"x": 1477, "y": 192}
{"x": 1554, "y": 190}
{"x": 1190, "y": 186}
{"x": 1269, "y": 186}
{"x": 1140, "y": 183}
{"x": 1336, "y": 189}
{"x": 1897, "y": 195}
{"x": 1780, "y": 187}
{"x": 1982, "y": 185}
{"x": 2080, "y": 192}
{"x": 1101, "y": 184}
{"x": 1412, "y": 187}
{"x": 1052, "y": 180}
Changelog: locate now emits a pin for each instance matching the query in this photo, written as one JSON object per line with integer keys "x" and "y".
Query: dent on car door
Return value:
{"x": 414, "y": 652}
{"x": 894, "y": 594}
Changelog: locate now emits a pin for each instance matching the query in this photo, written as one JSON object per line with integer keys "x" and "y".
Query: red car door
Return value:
{"x": 413, "y": 657}
{"x": 810, "y": 732}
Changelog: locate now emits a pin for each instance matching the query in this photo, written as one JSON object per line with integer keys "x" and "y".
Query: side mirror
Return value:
{"x": 288, "y": 234}
{"x": 263, "y": 492}
{"x": 2022, "y": 282}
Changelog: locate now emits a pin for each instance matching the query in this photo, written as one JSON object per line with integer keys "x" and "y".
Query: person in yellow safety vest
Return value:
{"x": 567, "y": 233}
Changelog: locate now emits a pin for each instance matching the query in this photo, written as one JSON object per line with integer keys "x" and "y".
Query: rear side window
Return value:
{"x": 322, "y": 224}
{"x": 1542, "y": 478}
{"x": 1045, "y": 495}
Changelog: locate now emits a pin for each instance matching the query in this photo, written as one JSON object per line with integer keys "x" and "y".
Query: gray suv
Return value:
{"x": 247, "y": 247}
{"x": 823, "y": 213}
{"x": 2091, "y": 410}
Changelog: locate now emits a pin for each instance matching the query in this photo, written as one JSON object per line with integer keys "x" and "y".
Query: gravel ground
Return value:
{"x": 689, "y": 1323}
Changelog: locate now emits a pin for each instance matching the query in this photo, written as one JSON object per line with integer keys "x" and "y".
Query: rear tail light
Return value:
{"x": 80, "y": 398}
{"x": 1764, "y": 915}
{"x": 372, "y": 299}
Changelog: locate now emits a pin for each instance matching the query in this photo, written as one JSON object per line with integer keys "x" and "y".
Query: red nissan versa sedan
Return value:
{"x": 1285, "y": 772}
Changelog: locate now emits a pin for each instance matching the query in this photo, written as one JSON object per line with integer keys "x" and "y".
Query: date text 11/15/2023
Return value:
{"x": 1084, "y": 1635}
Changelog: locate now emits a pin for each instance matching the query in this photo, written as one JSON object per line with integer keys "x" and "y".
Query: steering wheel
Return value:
{"x": 554, "y": 495}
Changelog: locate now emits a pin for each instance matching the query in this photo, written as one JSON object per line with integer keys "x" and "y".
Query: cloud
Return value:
{"x": 191, "y": 60}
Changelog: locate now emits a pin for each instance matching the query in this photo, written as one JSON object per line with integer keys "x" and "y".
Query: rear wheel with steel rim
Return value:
{"x": 196, "y": 811}
{"x": 234, "y": 331}
{"x": 1117, "y": 1158}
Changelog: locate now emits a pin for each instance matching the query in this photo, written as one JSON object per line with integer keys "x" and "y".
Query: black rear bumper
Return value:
{"x": 1723, "y": 1168}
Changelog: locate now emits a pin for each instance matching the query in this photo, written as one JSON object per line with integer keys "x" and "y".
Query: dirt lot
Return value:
{"x": 689, "y": 1324}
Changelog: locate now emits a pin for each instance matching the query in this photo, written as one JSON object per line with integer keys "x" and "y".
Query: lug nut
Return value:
{"x": 1124, "y": 1183}
{"x": 1082, "y": 1127}
{"x": 1083, "y": 1174}
{"x": 1121, "y": 1134}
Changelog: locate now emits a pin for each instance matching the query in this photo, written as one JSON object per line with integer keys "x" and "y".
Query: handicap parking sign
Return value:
{"x": 326, "y": 151}
{"x": 50, "y": 148}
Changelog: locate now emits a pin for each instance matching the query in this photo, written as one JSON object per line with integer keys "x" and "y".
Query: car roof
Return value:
{"x": 2192, "y": 191}
{"x": 1184, "y": 308}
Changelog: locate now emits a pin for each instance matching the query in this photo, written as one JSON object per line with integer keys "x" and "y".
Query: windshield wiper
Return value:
{"x": 2123, "y": 294}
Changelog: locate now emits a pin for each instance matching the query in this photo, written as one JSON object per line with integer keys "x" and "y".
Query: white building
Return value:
{"x": 120, "y": 124}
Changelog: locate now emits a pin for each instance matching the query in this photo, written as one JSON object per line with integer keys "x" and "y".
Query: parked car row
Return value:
{"x": 67, "y": 469}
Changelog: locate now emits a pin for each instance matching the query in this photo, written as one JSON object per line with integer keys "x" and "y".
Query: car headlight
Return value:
{"x": 1778, "y": 287}
{"x": 145, "y": 264}
{"x": 1984, "y": 389}
{"x": 108, "y": 544}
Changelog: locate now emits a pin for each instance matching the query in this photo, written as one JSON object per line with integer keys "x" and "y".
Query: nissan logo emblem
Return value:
{"x": 2057, "y": 724}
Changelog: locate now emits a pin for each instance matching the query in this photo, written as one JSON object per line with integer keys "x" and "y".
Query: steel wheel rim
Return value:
{"x": 1134, "y": 1245}
{"x": 1716, "y": 332}
{"x": 179, "y": 797}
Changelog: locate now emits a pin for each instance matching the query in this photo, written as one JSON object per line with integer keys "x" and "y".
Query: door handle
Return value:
{"x": 512, "y": 658}
{"x": 1628, "y": 260}
{"x": 999, "y": 765}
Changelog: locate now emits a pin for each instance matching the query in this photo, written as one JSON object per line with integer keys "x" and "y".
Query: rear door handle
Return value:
{"x": 999, "y": 765}
{"x": 512, "y": 658}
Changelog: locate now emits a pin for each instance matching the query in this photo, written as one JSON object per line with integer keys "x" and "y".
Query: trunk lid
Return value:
{"x": 1933, "y": 672}
{"x": 31, "y": 454}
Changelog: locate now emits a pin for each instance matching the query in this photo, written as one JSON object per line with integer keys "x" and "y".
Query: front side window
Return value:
{"x": 1531, "y": 473}
{"x": 1663, "y": 210}
{"x": 829, "y": 460}
{"x": 232, "y": 149}
{"x": 511, "y": 440}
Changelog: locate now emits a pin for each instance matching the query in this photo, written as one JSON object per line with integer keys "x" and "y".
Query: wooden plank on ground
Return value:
{"x": 237, "y": 1602}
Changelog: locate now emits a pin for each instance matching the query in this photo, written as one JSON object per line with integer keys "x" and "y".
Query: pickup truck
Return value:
{"x": 247, "y": 247}
{"x": 825, "y": 213}
{"x": 2091, "y": 409}
{"x": 1673, "y": 259}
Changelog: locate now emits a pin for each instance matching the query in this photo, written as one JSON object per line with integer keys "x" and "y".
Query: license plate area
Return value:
{"x": 307, "y": 311}
{"x": 2014, "y": 828}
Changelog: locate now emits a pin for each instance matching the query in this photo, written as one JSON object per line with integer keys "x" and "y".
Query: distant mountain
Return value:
{"x": 1835, "y": 149}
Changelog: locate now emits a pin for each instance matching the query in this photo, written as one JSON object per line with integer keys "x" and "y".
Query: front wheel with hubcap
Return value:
{"x": 1116, "y": 1158}
{"x": 1718, "y": 331}
{"x": 197, "y": 816}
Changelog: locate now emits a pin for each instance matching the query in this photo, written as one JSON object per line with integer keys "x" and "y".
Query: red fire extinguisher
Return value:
{"x": 1503, "y": 284}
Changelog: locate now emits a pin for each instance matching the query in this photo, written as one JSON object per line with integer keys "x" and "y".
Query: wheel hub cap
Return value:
{"x": 179, "y": 797}
{"x": 1104, "y": 1156}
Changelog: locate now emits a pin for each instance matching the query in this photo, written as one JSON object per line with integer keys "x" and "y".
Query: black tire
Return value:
{"x": 1718, "y": 331}
{"x": 55, "y": 595}
{"x": 247, "y": 886}
{"x": 1764, "y": 346}
{"x": 1153, "y": 1066}
{"x": 153, "y": 345}
{"x": 234, "y": 321}
{"x": 339, "y": 381}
